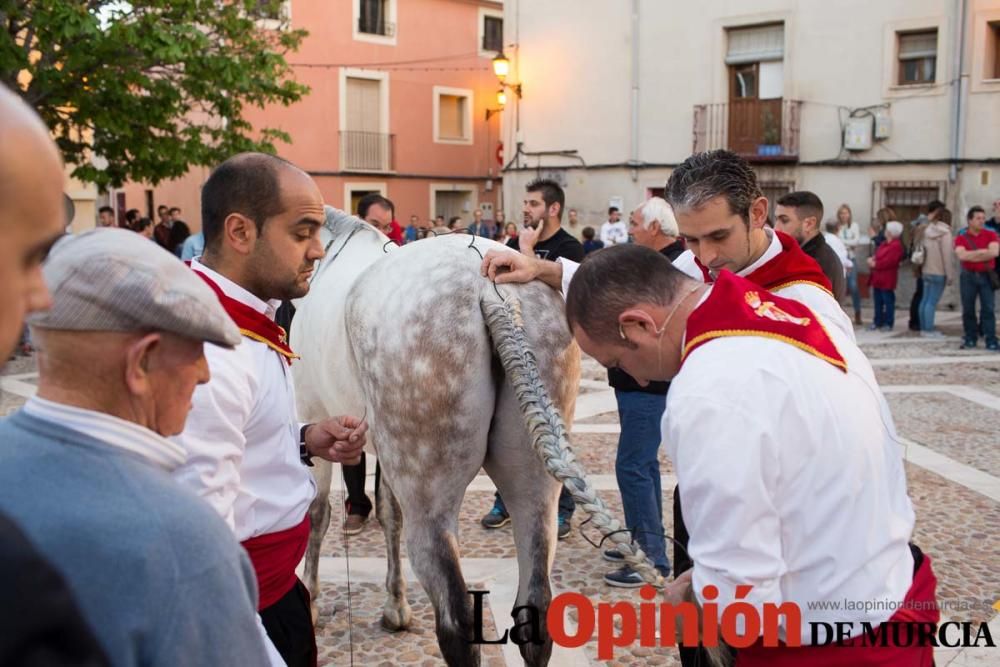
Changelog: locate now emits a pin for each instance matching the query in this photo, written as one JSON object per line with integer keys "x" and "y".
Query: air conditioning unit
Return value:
{"x": 858, "y": 134}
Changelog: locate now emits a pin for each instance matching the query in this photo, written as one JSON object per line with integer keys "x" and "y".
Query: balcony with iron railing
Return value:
{"x": 367, "y": 151}
{"x": 758, "y": 130}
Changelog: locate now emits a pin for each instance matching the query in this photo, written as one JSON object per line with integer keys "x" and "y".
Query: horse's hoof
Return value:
{"x": 396, "y": 619}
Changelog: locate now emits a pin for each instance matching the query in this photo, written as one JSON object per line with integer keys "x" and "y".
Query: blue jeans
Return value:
{"x": 933, "y": 289}
{"x": 885, "y": 307}
{"x": 852, "y": 287}
{"x": 971, "y": 285}
{"x": 638, "y": 471}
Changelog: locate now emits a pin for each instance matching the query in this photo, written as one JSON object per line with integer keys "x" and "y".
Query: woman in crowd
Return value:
{"x": 884, "y": 275}
{"x": 850, "y": 233}
{"x": 509, "y": 232}
{"x": 938, "y": 269}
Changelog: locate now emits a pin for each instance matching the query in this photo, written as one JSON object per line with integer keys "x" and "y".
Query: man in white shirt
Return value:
{"x": 247, "y": 452}
{"x": 614, "y": 231}
{"x": 791, "y": 496}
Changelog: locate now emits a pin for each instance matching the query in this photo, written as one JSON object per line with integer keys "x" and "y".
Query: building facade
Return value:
{"x": 890, "y": 103}
{"x": 398, "y": 105}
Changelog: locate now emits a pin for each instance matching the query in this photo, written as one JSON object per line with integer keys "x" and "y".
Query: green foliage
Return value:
{"x": 152, "y": 87}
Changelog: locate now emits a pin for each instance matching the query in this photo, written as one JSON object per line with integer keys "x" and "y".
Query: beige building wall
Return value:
{"x": 578, "y": 96}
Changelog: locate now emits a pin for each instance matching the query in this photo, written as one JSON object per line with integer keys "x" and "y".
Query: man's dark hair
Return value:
{"x": 972, "y": 212}
{"x": 551, "y": 193}
{"x": 370, "y": 200}
{"x": 161, "y": 207}
{"x": 132, "y": 216}
{"x": 141, "y": 224}
{"x": 454, "y": 220}
{"x": 612, "y": 209}
{"x": 615, "y": 279}
{"x": 934, "y": 205}
{"x": 588, "y": 233}
{"x": 805, "y": 203}
{"x": 106, "y": 209}
{"x": 246, "y": 184}
{"x": 173, "y": 209}
{"x": 705, "y": 176}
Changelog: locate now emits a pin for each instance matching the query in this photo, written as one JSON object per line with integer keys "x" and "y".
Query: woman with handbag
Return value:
{"x": 936, "y": 257}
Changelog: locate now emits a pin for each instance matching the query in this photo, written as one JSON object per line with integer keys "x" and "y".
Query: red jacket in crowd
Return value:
{"x": 886, "y": 269}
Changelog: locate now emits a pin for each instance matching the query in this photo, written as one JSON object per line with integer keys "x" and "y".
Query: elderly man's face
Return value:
{"x": 640, "y": 234}
{"x": 283, "y": 256}
{"x": 176, "y": 366}
{"x": 32, "y": 219}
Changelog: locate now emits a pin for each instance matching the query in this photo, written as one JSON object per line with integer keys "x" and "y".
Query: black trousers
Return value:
{"x": 289, "y": 626}
{"x": 918, "y": 295}
{"x": 691, "y": 656}
{"x": 358, "y": 501}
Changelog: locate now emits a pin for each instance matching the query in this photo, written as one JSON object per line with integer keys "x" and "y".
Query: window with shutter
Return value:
{"x": 917, "y": 57}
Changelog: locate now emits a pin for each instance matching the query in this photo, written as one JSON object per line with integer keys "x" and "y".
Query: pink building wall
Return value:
{"x": 437, "y": 43}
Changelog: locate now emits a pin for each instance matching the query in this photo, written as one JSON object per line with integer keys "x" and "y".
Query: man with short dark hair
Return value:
{"x": 179, "y": 232}
{"x": 376, "y": 210}
{"x": 977, "y": 249}
{"x": 412, "y": 230}
{"x": 778, "y": 481}
{"x": 161, "y": 232}
{"x": 614, "y": 231}
{"x": 106, "y": 217}
{"x": 543, "y": 237}
{"x": 800, "y": 214}
{"x": 247, "y": 453}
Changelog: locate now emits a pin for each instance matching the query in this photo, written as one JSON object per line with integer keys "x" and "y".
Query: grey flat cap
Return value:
{"x": 117, "y": 280}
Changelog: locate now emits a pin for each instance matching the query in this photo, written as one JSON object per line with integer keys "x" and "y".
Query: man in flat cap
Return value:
{"x": 85, "y": 465}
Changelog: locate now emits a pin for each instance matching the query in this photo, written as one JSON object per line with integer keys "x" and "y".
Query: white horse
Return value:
{"x": 399, "y": 334}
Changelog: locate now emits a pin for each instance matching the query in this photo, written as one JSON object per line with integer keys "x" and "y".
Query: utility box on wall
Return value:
{"x": 858, "y": 134}
{"x": 883, "y": 124}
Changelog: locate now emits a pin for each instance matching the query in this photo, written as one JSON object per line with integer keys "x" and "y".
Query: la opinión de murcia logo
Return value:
{"x": 739, "y": 624}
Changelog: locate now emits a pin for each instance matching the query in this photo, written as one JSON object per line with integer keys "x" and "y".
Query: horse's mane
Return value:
{"x": 340, "y": 223}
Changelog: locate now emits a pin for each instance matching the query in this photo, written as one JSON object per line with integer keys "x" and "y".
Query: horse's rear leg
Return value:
{"x": 396, "y": 613}
{"x": 532, "y": 498}
{"x": 433, "y": 549}
{"x": 319, "y": 517}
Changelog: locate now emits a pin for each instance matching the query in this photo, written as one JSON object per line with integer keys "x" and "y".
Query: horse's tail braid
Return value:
{"x": 548, "y": 432}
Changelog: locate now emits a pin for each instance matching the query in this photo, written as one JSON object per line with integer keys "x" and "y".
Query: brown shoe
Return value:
{"x": 354, "y": 524}
{"x": 857, "y": 318}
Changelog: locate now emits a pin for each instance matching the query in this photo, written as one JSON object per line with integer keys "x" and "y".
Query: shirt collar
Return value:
{"x": 773, "y": 250}
{"x": 234, "y": 291}
{"x": 110, "y": 430}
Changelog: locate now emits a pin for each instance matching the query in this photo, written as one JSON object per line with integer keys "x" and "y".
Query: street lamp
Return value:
{"x": 501, "y": 103}
{"x": 501, "y": 67}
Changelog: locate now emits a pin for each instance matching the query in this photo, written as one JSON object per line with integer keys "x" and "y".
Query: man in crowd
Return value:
{"x": 39, "y": 613}
{"x": 120, "y": 353}
{"x": 412, "y": 230}
{"x": 179, "y": 232}
{"x": 106, "y": 217}
{"x": 573, "y": 225}
{"x": 247, "y": 453}
{"x": 480, "y": 227}
{"x": 800, "y": 214}
{"x": 542, "y": 237}
{"x": 977, "y": 249}
{"x": 993, "y": 223}
{"x": 376, "y": 210}
{"x": 746, "y": 467}
{"x": 161, "y": 233}
{"x": 652, "y": 225}
{"x": 614, "y": 231}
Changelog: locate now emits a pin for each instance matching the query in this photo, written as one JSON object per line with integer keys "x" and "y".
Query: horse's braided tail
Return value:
{"x": 548, "y": 432}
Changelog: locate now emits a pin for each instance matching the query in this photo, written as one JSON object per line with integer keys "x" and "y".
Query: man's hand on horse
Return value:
{"x": 506, "y": 266}
{"x": 337, "y": 439}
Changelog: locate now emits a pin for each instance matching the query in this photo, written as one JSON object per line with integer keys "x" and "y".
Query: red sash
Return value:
{"x": 253, "y": 324}
{"x": 275, "y": 557}
{"x": 917, "y": 607}
{"x": 791, "y": 266}
{"x": 739, "y": 307}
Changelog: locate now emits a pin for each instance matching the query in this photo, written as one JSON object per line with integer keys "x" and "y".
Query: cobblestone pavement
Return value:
{"x": 946, "y": 405}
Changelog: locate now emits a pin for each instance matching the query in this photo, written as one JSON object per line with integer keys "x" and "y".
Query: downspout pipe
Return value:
{"x": 960, "y": 90}
{"x": 634, "y": 142}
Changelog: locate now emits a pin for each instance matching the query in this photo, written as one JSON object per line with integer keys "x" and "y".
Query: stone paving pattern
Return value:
{"x": 956, "y": 526}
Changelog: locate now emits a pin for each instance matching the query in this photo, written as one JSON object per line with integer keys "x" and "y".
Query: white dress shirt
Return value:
{"x": 110, "y": 430}
{"x": 817, "y": 299}
{"x": 242, "y": 435}
{"x": 791, "y": 477}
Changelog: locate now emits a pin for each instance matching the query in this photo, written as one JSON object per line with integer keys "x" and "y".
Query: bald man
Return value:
{"x": 41, "y": 621}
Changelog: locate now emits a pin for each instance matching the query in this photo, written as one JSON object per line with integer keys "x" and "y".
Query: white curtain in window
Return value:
{"x": 756, "y": 44}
